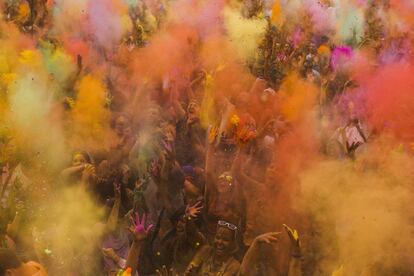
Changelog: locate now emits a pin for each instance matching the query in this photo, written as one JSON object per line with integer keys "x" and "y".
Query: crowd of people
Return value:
{"x": 186, "y": 180}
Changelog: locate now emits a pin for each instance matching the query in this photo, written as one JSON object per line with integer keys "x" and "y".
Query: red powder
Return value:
{"x": 390, "y": 100}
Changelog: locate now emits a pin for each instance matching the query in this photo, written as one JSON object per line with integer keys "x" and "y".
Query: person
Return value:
{"x": 193, "y": 185}
{"x": 259, "y": 217}
{"x": 11, "y": 265}
{"x": 180, "y": 244}
{"x": 223, "y": 196}
{"x": 115, "y": 243}
{"x": 139, "y": 230}
{"x": 121, "y": 142}
{"x": 189, "y": 143}
{"x": 255, "y": 263}
{"x": 218, "y": 258}
{"x": 82, "y": 169}
{"x": 346, "y": 140}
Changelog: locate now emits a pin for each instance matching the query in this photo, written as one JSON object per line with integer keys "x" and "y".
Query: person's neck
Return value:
{"x": 221, "y": 259}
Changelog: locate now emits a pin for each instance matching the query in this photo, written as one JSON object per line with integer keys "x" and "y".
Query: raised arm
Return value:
{"x": 113, "y": 217}
{"x": 239, "y": 171}
{"x": 209, "y": 187}
{"x": 139, "y": 232}
{"x": 295, "y": 263}
{"x": 66, "y": 173}
{"x": 251, "y": 257}
{"x": 191, "y": 213}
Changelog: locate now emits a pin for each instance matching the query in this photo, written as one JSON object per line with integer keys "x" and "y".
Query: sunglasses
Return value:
{"x": 227, "y": 225}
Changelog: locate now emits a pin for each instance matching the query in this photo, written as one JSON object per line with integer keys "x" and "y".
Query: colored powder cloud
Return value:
{"x": 90, "y": 118}
{"x": 244, "y": 34}
{"x": 390, "y": 101}
{"x": 359, "y": 213}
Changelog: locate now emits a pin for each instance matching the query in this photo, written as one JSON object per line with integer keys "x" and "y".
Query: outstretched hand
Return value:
{"x": 269, "y": 238}
{"x": 194, "y": 210}
{"x": 294, "y": 239}
{"x": 138, "y": 229}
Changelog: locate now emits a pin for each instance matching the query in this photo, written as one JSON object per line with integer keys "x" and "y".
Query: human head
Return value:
{"x": 267, "y": 94}
{"x": 180, "y": 226}
{"x": 178, "y": 220}
{"x": 193, "y": 107}
{"x": 80, "y": 158}
{"x": 122, "y": 122}
{"x": 225, "y": 239}
{"x": 10, "y": 264}
{"x": 225, "y": 182}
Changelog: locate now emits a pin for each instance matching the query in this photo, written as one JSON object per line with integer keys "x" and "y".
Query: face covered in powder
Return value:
{"x": 225, "y": 182}
{"x": 79, "y": 159}
{"x": 224, "y": 240}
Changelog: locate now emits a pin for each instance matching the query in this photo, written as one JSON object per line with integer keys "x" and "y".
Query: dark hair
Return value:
{"x": 85, "y": 154}
{"x": 176, "y": 179}
{"x": 177, "y": 215}
{"x": 8, "y": 260}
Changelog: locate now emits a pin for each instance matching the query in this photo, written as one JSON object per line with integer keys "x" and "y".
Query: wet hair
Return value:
{"x": 8, "y": 260}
